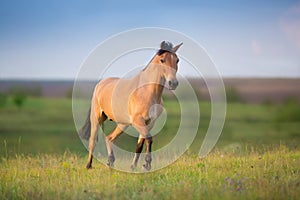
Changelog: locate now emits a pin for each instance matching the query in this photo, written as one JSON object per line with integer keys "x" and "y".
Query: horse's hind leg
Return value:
{"x": 94, "y": 131}
{"x": 96, "y": 120}
{"x": 109, "y": 140}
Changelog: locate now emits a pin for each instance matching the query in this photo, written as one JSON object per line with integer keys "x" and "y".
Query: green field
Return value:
{"x": 256, "y": 157}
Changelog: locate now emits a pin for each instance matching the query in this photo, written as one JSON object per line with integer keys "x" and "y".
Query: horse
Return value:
{"x": 136, "y": 101}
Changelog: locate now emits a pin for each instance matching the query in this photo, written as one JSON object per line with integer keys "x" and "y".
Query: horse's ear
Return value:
{"x": 174, "y": 49}
{"x": 162, "y": 44}
{"x": 166, "y": 46}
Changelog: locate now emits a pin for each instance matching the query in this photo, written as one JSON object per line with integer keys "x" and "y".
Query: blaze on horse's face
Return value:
{"x": 169, "y": 60}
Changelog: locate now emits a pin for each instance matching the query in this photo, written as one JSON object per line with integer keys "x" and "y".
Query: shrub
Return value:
{"x": 289, "y": 111}
{"x": 232, "y": 95}
{"x": 18, "y": 95}
{"x": 19, "y": 100}
{"x": 3, "y": 99}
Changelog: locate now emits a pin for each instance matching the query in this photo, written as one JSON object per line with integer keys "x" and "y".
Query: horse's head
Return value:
{"x": 166, "y": 56}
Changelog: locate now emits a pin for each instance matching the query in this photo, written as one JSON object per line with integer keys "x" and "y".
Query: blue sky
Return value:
{"x": 50, "y": 39}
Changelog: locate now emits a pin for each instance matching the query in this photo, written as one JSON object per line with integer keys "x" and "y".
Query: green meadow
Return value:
{"x": 256, "y": 157}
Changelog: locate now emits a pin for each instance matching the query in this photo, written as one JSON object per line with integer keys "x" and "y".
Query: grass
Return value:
{"x": 40, "y": 126}
{"x": 256, "y": 157}
{"x": 47, "y": 126}
{"x": 274, "y": 174}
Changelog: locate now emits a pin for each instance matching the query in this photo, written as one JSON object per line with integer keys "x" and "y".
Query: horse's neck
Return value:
{"x": 151, "y": 81}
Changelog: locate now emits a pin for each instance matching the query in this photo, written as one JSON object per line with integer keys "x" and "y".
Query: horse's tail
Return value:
{"x": 85, "y": 131}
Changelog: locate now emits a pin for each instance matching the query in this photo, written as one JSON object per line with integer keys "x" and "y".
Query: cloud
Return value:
{"x": 256, "y": 47}
{"x": 290, "y": 24}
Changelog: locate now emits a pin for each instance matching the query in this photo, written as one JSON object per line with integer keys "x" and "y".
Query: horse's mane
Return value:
{"x": 161, "y": 51}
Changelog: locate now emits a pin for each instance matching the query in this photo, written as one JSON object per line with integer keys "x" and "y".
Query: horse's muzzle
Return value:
{"x": 173, "y": 84}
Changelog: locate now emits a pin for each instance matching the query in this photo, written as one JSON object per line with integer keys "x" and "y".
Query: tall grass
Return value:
{"x": 273, "y": 174}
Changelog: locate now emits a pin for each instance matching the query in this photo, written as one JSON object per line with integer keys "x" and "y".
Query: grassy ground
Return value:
{"x": 40, "y": 126}
{"x": 274, "y": 174}
{"x": 257, "y": 157}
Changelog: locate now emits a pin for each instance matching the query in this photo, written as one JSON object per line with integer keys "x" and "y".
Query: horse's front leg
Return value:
{"x": 148, "y": 158}
{"x": 143, "y": 128}
{"x": 138, "y": 150}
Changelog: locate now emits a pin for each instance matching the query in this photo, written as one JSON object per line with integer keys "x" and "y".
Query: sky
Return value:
{"x": 42, "y": 39}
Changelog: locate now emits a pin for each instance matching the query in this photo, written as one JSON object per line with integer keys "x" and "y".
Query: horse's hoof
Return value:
{"x": 109, "y": 165}
{"x": 146, "y": 167}
{"x": 88, "y": 166}
{"x": 133, "y": 167}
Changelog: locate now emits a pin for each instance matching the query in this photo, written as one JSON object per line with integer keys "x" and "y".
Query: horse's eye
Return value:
{"x": 162, "y": 60}
{"x": 177, "y": 61}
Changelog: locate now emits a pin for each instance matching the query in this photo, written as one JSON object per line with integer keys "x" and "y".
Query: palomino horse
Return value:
{"x": 136, "y": 101}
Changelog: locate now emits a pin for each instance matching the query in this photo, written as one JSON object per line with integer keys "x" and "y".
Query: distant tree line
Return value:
{"x": 18, "y": 94}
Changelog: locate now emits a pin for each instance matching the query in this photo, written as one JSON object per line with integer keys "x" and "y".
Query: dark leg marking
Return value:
{"x": 148, "y": 158}
{"x": 110, "y": 160}
{"x": 138, "y": 150}
{"x": 89, "y": 164}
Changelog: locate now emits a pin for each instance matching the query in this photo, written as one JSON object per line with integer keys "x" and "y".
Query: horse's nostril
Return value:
{"x": 175, "y": 83}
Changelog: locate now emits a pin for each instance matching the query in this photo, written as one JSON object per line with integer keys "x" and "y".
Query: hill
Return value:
{"x": 248, "y": 90}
